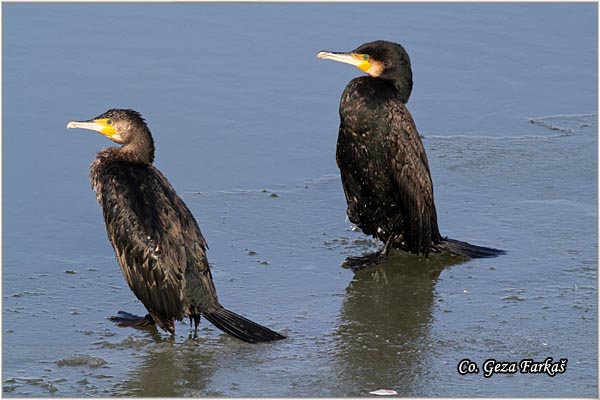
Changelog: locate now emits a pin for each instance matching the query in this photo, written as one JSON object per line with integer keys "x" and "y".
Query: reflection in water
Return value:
{"x": 170, "y": 369}
{"x": 383, "y": 327}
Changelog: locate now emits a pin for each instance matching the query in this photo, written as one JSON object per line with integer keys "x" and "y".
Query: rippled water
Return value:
{"x": 245, "y": 121}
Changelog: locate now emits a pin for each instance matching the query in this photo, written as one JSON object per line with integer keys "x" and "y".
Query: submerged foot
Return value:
{"x": 126, "y": 319}
{"x": 366, "y": 261}
{"x": 370, "y": 260}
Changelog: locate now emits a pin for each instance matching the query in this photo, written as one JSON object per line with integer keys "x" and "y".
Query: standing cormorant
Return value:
{"x": 156, "y": 239}
{"x": 382, "y": 160}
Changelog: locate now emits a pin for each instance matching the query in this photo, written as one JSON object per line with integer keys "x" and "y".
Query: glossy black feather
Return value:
{"x": 240, "y": 327}
{"x": 157, "y": 241}
{"x": 382, "y": 161}
{"x": 384, "y": 167}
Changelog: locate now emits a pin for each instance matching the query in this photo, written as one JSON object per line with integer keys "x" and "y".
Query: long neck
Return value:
{"x": 141, "y": 150}
{"x": 138, "y": 151}
{"x": 403, "y": 84}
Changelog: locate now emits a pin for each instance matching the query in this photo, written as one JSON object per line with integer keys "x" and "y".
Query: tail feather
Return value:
{"x": 469, "y": 250}
{"x": 240, "y": 327}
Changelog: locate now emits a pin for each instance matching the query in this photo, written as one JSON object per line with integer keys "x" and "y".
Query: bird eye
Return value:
{"x": 366, "y": 57}
{"x": 109, "y": 122}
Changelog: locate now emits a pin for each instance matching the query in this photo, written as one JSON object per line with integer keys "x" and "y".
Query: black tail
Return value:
{"x": 240, "y": 327}
{"x": 469, "y": 250}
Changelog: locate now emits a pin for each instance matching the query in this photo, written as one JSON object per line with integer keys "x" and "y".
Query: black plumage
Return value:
{"x": 382, "y": 161}
{"x": 157, "y": 241}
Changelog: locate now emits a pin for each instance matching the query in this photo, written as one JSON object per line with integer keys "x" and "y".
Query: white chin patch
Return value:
{"x": 376, "y": 69}
{"x": 116, "y": 138}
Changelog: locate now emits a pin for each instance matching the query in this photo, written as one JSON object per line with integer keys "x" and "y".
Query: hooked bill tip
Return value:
{"x": 72, "y": 124}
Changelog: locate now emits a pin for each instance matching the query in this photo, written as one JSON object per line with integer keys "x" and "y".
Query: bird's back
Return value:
{"x": 158, "y": 243}
{"x": 383, "y": 165}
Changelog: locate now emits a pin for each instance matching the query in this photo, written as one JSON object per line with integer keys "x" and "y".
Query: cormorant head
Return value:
{"x": 380, "y": 59}
{"x": 125, "y": 127}
{"x": 120, "y": 126}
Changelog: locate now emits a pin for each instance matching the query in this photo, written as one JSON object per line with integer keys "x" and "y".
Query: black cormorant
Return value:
{"x": 156, "y": 239}
{"x": 382, "y": 160}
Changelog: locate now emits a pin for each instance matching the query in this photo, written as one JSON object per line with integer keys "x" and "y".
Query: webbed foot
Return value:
{"x": 126, "y": 319}
{"x": 370, "y": 260}
{"x": 366, "y": 261}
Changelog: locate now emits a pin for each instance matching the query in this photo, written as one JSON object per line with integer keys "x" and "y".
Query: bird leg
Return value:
{"x": 372, "y": 259}
{"x": 196, "y": 321}
{"x": 126, "y": 319}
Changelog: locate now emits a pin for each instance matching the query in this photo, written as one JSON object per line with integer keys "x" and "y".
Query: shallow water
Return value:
{"x": 245, "y": 120}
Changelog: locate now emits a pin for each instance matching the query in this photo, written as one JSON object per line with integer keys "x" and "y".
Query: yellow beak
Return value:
{"x": 360, "y": 61}
{"x": 103, "y": 126}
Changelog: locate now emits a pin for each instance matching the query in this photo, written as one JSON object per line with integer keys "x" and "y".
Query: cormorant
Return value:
{"x": 382, "y": 161}
{"x": 157, "y": 241}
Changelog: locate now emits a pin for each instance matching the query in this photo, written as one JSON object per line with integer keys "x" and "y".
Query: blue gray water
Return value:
{"x": 245, "y": 122}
